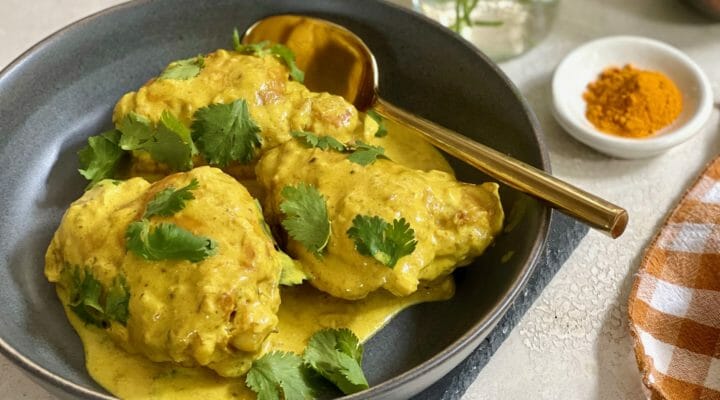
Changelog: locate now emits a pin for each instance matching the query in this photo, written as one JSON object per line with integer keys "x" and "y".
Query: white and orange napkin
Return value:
{"x": 674, "y": 306}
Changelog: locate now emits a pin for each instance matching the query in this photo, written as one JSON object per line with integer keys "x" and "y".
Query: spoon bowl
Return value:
{"x": 339, "y": 62}
{"x": 353, "y": 73}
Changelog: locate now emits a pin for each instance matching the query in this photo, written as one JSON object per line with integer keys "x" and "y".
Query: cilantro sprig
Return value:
{"x": 168, "y": 141}
{"x": 279, "y": 375}
{"x": 382, "y": 129}
{"x": 291, "y": 273}
{"x": 101, "y": 157}
{"x": 321, "y": 142}
{"x": 184, "y": 69}
{"x": 336, "y": 354}
{"x": 171, "y": 144}
{"x": 95, "y": 304}
{"x": 279, "y": 51}
{"x": 306, "y": 216}
{"x": 385, "y": 242}
{"x": 225, "y": 133}
{"x": 170, "y": 200}
{"x": 332, "y": 354}
{"x": 359, "y": 151}
{"x": 167, "y": 241}
{"x": 365, "y": 154}
{"x": 136, "y": 129}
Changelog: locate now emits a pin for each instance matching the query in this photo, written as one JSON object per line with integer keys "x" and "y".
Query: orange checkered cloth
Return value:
{"x": 674, "y": 305}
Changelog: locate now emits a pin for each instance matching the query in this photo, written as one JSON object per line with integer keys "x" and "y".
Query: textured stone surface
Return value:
{"x": 573, "y": 342}
{"x": 565, "y": 235}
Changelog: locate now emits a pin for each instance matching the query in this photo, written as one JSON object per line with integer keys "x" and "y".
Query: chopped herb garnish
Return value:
{"x": 168, "y": 142}
{"x": 332, "y": 354}
{"x": 92, "y": 303}
{"x": 306, "y": 217}
{"x": 360, "y": 152}
{"x": 170, "y": 200}
{"x": 184, "y": 69}
{"x": 117, "y": 300}
{"x": 382, "y": 130}
{"x": 291, "y": 272}
{"x": 282, "y": 53}
{"x": 226, "y": 133}
{"x": 288, "y": 57}
{"x": 365, "y": 154}
{"x": 171, "y": 144}
{"x": 167, "y": 241}
{"x": 101, "y": 157}
{"x": 322, "y": 142}
{"x": 385, "y": 242}
{"x": 136, "y": 130}
{"x": 279, "y": 375}
{"x": 336, "y": 354}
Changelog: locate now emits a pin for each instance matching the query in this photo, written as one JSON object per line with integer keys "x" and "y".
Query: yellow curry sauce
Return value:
{"x": 304, "y": 311}
{"x": 167, "y": 344}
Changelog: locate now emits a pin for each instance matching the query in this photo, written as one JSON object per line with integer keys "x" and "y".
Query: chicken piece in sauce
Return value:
{"x": 216, "y": 312}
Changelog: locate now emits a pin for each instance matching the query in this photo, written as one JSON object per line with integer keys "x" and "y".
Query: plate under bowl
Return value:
{"x": 63, "y": 90}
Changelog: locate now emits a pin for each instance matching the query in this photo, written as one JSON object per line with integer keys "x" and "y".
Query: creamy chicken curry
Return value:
{"x": 182, "y": 286}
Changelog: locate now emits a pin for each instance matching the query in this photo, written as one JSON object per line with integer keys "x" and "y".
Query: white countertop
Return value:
{"x": 574, "y": 341}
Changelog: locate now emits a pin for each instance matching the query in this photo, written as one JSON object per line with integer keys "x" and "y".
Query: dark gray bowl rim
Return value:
{"x": 460, "y": 348}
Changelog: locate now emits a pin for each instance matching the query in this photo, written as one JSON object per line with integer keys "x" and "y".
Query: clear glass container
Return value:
{"x": 500, "y": 28}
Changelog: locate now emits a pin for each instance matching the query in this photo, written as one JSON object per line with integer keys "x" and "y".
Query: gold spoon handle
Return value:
{"x": 569, "y": 199}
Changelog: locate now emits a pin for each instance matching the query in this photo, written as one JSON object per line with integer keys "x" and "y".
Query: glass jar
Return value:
{"x": 500, "y": 28}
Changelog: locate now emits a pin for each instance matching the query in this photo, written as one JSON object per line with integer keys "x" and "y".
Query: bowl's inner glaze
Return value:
{"x": 64, "y": 90}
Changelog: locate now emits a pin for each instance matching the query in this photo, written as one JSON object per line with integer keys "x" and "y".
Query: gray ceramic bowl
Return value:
{"x": 62, "y": 90}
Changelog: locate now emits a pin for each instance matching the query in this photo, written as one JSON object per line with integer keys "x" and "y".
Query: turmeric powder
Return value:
{"x": 631, "y": 102}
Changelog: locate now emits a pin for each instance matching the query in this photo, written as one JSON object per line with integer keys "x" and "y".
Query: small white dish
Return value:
{"x": 584, "y": 64}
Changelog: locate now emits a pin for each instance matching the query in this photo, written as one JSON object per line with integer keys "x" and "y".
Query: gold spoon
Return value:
{"x": 335, "y": 60}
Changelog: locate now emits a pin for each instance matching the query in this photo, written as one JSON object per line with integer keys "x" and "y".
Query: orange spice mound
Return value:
{"x": 631, "y": 102}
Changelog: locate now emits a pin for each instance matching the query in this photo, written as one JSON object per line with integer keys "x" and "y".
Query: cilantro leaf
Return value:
{"x": 365, "y": 154}
{"x": 171, "y": 144}
{"x": 226, "y": 133}
{"x": 288, "y": 57}
{"x": 87, "y": 296}
{"x": 291, "y": 270}
{"x": 322, "y": 142}
{"x": 385, "y": 242}
{"x": 171, "y": 123}
{"x": 360, "y": 152}
{"x": 306, "y": 216}
{"x": 256, "y": 49}
{"x": 336, "y": 354}
{"x": 118, "y": 300}
{"x": 184, "y": 69}
{"x": 170, "y": 200}
{"x": 382, "y": 129}
{"x": 279, "y": 376}
{"x": 100, "y": 158}
{"x": 279, "y": 51}
{"x": 136, "y": 130}
{"x": 167, "y": 241}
